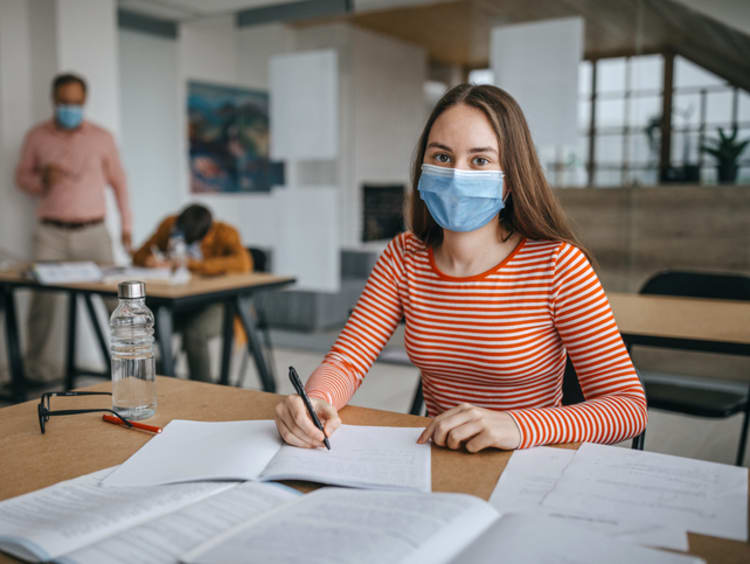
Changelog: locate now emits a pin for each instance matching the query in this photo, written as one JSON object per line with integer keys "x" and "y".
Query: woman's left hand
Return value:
{"x": 474, "y": 427}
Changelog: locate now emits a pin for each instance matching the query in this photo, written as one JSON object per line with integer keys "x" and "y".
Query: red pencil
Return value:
{"x": 112, "y": 419}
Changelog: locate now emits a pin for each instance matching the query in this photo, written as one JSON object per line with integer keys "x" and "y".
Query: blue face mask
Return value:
{"x": 69, "y": 116}
{"x": 461, "y": 200}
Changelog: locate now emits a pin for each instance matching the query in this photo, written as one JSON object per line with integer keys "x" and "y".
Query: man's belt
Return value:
{"x": 71, "y": 225}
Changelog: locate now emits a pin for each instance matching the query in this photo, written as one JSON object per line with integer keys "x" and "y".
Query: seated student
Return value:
{"x": 496, "y": 292}
{"x": 213, "y": 248}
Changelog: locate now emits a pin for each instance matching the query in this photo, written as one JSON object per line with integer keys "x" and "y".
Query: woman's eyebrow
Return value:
{"x": 440, "y": 146}
{"x": 483, "y": 150}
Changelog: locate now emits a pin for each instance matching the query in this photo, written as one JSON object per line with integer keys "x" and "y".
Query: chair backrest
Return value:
{"x": 699, "y": 285}
{"x": 261, "y": 262}
{"x": 572, "y": 392}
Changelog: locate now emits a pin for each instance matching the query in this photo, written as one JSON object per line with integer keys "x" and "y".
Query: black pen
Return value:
{"x": 300, "y": 389}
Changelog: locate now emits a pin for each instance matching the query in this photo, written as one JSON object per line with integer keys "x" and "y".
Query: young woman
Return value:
{"x": 496, "y": 292}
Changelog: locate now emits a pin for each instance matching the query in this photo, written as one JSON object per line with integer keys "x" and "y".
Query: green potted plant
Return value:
{"x": 726, "y": 150}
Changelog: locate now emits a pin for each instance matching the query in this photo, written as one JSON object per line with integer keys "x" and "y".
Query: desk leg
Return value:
{"x": 227, "y": 340}
{"x": 12, "y": 343}
{"x": 98, "y": 332}
{"x": 70, "y": 355}
{"x": 247, "y": 316}
{"x": 164, "y": 331}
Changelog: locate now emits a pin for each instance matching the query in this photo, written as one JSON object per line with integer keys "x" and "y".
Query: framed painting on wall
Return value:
{"x": 229, "y": 140}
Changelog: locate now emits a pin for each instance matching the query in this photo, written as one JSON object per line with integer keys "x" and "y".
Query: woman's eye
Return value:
{"x": 481, "y": 161}
{"x": 441, "y": 158}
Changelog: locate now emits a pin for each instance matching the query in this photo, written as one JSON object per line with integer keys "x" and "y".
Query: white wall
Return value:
{"x": 151, "y": 124}
{"x": 214, "y": 50}
{"x": 389, "y": 78}
{"x": 16, "y": 211}
{"x": 382, "y": 112}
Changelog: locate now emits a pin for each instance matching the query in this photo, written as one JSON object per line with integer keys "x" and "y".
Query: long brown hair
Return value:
{"x": 531, "y": 208}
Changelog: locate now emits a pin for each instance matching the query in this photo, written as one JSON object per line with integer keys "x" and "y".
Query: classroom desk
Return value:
{"x": 699, "y": 324}
{"x": 79, "y": 444}
{"x": 234, "y": 291}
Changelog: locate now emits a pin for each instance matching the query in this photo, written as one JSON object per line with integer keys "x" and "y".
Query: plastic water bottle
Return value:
{"x": 178, "y": 254}
{"x": 132, "y": 348}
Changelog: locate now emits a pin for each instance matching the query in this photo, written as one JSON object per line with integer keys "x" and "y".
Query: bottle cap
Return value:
{"x": 131, "y": 289}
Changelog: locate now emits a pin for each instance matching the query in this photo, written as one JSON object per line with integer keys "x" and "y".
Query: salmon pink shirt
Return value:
{"x": 88, "y": 156}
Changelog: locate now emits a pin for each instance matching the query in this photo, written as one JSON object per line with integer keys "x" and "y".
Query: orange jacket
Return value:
{"x": 222, "y": 249}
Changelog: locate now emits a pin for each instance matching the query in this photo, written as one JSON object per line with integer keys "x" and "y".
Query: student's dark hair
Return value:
{"x": 531, "y": 208}
{"x": 67, "y": 78}
{"x": 194, "y": 222}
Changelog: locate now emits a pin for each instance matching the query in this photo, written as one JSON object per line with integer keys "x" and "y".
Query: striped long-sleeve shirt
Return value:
{"x": 497, "y": 340}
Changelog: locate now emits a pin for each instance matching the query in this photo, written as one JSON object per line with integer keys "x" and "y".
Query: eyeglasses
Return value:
{"x": 44, "y": 411}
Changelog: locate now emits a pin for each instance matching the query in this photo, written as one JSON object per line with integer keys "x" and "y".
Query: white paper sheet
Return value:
{"x": 532, "y": 474}
{"x": 519, "y": 539}
{"x": 693, "y": 495}
{"x": 528, "y": 477}
{"x": 360, "y": 456}
{"x": 200, "y": 450}
{"x": 52, "y": 521}
{"x": 341, "y": 525}
{"x": 162, "y": 541}
{"x": 66, "y": 272}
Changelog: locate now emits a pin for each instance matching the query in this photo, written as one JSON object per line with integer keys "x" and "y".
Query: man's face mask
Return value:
{"x": 461, "y": 200}
{"x": 69, "y": 116}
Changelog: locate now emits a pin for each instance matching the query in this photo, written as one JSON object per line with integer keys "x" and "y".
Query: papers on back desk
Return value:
{"x": 641, "y": 497}
{"x": 360, "y": 456}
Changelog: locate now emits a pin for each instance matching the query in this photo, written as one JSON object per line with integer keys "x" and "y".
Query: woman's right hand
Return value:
{"x": 296, "y": 426}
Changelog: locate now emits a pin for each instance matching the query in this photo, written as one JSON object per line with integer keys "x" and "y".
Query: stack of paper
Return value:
{"x": 648, "y": 498}
{"x": 66, "y": 272}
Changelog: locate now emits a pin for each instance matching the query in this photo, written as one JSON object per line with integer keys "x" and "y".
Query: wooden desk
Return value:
{"x": 690, "y": 323}
{"x": 80, "y": 444}
{"x": 233, "y": 291}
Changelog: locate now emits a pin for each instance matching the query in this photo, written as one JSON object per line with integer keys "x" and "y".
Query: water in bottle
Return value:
{"x": 132, "y": 347}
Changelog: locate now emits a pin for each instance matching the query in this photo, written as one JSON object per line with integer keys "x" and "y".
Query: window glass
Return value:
{"x": 719, "y": 107}
{"x": 584, "y": 114}
{"x": 684, "y": 148}
{"x": 584, "y": 78}
{"x": 609, "y": 149}
{"x": 610, "y": 113}
{"x": 641, "y": 152}
{"x": 610, "y": 75}
{"x": 686, "y": 110}
{"x": 643, "y": 109}
{"x": 743, "y": 113}
{"x": 646, "y": 72}
{"x": 687, "y": 74}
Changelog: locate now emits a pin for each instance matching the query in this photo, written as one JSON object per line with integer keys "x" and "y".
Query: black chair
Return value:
{"x": 261, "y": 263}
{"x": 699, "y": 398}
{"x": 571, "y": 394}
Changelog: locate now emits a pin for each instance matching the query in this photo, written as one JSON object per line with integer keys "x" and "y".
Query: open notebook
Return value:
{"x": 367, "y": 527}
{"x": 360, "y": 456}
{"x": 79, "y": 521}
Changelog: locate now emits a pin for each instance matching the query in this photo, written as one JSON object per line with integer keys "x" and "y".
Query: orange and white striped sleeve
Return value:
{"x": 371, "y": 324}
{"x": 615, "y": 403}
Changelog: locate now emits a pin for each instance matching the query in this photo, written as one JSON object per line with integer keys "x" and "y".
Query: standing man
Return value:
{"x": 67, "y": 162}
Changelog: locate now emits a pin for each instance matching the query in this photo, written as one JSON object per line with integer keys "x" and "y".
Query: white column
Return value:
{"x": 16, "y": 211}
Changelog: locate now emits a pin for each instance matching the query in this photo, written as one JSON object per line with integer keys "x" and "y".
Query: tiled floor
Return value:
{"x": 391, "y": 386}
